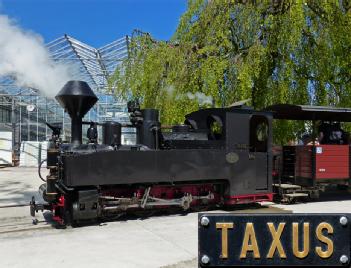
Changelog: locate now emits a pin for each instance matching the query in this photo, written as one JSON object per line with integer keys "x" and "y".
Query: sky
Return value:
{"x": 95, "y": 22}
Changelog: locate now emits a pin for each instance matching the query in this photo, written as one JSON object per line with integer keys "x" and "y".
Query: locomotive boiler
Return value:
{"x": 219, "y": 156}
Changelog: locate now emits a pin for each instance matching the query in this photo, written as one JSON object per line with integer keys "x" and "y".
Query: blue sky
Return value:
{"x": 95, "y": 22}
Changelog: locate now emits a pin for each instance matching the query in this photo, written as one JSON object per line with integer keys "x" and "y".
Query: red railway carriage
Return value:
{"x": 304, "y": 170}
{"x": 323, "y": 162}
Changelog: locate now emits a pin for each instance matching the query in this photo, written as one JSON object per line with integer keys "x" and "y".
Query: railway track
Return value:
{"x": 18, "y": 222}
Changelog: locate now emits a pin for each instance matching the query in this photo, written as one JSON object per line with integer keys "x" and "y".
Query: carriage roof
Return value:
{"x": 309, "y": 112}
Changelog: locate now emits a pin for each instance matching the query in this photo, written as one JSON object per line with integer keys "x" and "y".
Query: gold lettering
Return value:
{"x": 306, "y": 240}
{"x": 276, "y": 244}
{"x": 324, "y": 239}
{"x": 249, "y": 242}
{"x": 224, "y": 226}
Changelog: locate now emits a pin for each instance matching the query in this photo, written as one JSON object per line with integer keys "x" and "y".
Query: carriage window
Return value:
{"x": 259, "y": 133}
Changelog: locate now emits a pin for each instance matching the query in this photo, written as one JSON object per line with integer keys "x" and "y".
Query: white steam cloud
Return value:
{"x": 170, "y": 90}
{"x": 201, "y": 98}
{"x": 24, "y": 57}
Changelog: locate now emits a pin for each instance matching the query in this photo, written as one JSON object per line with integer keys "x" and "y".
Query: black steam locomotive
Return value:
{"x": 219, "y": 156}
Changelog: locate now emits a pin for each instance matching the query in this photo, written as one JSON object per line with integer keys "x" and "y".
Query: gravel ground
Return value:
{"x": 168, "y": 241}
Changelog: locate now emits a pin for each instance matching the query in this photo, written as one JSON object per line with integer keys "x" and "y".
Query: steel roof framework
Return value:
{"x": 92, "y": 65}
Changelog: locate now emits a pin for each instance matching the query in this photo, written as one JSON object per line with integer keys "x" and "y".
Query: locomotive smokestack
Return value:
{"x": 76, "y": 97}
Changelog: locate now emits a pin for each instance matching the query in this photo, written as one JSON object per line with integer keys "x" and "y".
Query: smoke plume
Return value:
{"x": 200, "y": 97}
{"x": 24, "y": 57}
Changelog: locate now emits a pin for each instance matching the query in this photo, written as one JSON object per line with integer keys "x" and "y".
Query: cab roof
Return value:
{"x": 309, "y": 112}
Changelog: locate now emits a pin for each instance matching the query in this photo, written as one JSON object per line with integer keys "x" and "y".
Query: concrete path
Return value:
{"x": 159, "y": 241}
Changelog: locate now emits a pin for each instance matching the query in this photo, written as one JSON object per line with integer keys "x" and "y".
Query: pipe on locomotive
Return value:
{"x": 148, "y": 131}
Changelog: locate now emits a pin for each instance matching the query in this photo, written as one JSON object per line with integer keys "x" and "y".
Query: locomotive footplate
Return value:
{"x": 228, "y": 240}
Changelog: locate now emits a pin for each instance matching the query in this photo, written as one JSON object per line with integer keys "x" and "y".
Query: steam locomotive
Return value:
{"x": 219, "y": 156}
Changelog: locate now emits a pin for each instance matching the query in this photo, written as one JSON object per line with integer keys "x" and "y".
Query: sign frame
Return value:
{"x": 228, "y": 239}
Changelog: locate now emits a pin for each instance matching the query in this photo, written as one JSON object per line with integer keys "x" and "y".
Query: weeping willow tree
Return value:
{"x": 270, "y": 52}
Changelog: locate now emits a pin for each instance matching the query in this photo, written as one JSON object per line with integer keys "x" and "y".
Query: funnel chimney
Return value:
{"x": 76, "y": 97}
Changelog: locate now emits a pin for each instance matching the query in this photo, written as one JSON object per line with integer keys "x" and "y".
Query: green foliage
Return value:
{"x": 269, "y": 51}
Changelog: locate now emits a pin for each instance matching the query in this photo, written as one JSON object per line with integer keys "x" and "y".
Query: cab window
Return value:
{"x": 259, "y": 132}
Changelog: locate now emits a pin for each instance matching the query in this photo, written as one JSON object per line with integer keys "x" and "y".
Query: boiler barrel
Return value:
{"x": 111, "y": 133}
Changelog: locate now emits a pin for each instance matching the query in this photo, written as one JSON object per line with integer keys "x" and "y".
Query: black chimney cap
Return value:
{"x": 76, "y": 97}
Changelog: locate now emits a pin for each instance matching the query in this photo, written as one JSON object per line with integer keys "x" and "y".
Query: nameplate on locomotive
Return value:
{"x": 274, "y": 239}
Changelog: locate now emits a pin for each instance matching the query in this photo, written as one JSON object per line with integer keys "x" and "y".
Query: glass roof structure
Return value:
{"x": 94, "y": 65}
